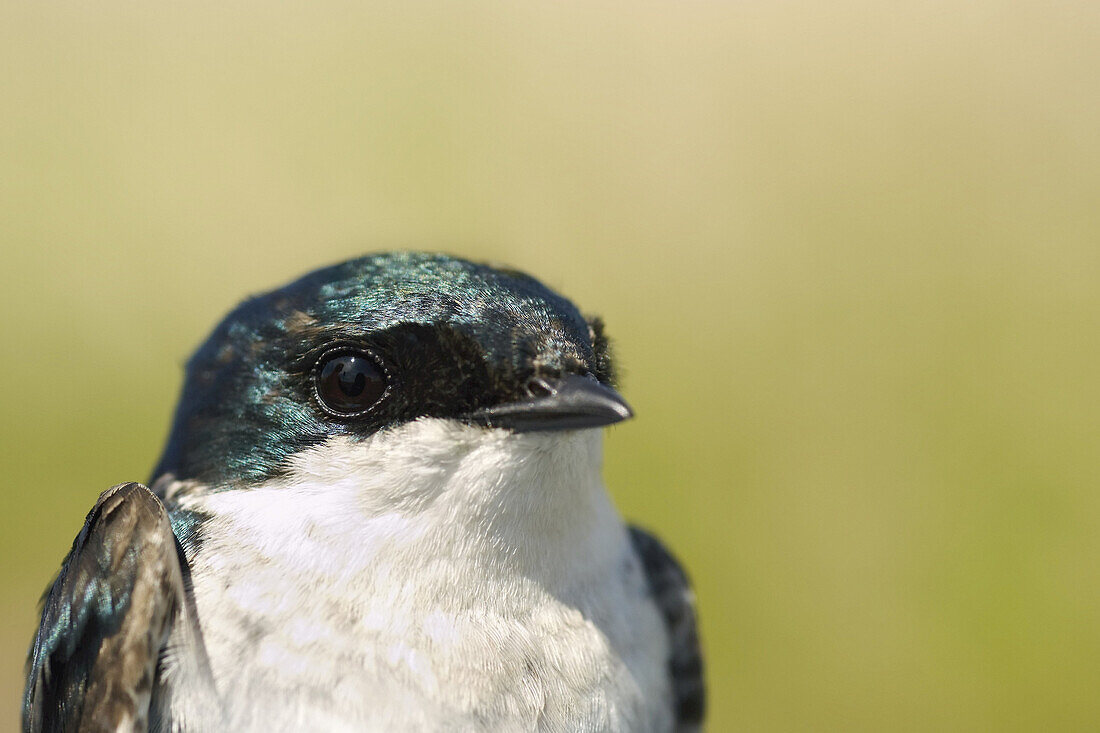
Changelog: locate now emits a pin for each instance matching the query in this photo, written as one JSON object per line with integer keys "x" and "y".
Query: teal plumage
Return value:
{"x": 482, "y": 331}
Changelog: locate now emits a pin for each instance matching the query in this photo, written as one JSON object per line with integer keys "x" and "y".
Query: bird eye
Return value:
{"x": 349, "y": 383}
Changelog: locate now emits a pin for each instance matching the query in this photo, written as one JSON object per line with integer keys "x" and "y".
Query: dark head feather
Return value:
{"x": 452, "y": 336}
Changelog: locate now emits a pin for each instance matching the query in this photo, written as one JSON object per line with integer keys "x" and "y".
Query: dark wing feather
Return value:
{"x": 671, "y": 591}
{"x": 105, "y": 619}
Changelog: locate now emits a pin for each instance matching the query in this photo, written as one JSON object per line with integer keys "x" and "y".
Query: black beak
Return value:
{"x": 566, "y": 403}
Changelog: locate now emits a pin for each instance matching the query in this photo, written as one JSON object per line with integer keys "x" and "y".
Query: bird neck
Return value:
{"x": 486, "y": 502}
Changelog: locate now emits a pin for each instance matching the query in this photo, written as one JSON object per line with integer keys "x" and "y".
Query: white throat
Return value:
{"x": 432, "y": 491}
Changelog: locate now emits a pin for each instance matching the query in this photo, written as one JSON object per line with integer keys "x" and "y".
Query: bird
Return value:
{"x": 379, "y": 508}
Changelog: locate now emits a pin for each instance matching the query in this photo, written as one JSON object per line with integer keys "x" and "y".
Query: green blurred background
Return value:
{"x": 849, "y": 251}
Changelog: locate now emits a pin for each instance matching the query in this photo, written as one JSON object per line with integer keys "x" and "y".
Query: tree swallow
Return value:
{"x": 379, "y": 509}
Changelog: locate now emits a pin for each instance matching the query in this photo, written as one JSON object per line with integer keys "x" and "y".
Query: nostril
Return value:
{"x": 539, "y": 387}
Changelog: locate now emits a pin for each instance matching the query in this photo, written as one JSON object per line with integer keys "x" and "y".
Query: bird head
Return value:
{"x": 359, "y": 349}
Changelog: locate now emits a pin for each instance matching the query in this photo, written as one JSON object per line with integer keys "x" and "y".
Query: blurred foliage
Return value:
{"x": 849, "y": 252}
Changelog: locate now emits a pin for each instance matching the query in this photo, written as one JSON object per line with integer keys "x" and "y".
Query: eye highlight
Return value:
{"x": 349, "y": 382}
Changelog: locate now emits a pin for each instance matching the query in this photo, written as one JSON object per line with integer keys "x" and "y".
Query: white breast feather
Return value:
{"x": 432, "y": 577}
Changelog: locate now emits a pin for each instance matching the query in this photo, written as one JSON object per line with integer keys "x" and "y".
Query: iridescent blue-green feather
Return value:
{"x": 105, "y": 619}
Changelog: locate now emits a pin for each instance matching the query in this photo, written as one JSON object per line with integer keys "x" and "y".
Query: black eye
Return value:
{"x": 349, "y": 383}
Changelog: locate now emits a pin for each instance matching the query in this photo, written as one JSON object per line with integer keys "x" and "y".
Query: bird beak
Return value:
{"x": 567, "y": 403}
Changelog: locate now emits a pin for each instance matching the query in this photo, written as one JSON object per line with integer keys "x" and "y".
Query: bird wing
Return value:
{"x": 671, "y": 591}
{"x": 106, "y": 619}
